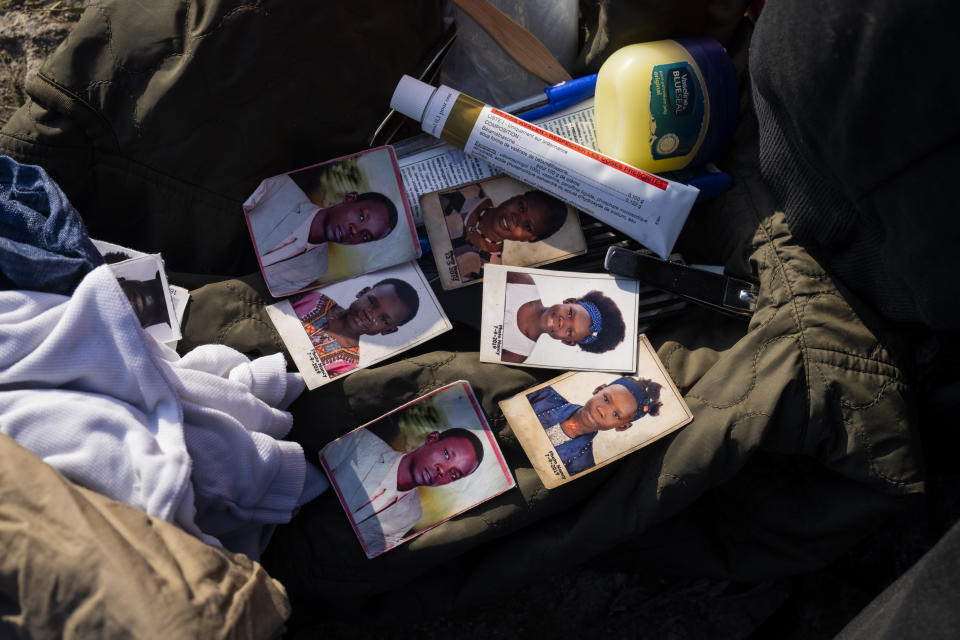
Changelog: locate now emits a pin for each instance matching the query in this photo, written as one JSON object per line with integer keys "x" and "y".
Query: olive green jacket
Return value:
{"x": 159, "y": 123}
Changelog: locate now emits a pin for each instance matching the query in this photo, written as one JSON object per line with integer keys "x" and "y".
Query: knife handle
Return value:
{"x": 720, "y": 292}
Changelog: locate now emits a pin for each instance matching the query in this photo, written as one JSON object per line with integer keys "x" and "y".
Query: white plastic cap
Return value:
{"x": 411, "y": 97}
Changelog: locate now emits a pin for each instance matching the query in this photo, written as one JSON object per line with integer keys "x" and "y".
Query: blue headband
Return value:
{"x": 596, "y": 321}
{"x": 638, "y": 395}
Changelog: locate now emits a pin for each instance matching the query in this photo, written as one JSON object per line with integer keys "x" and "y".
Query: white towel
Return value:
{"x": 192, "y": 440}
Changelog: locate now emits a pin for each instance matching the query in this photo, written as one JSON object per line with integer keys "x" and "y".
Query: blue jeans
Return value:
{"x": 44, "y": 244}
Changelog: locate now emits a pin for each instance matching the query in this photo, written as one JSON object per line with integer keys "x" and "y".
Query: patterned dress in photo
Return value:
{"x": 335, "y": 357}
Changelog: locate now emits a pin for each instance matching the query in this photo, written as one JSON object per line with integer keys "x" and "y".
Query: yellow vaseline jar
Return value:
{"x": 665, "y": 105}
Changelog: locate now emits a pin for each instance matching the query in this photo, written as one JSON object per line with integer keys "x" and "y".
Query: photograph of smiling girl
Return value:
{"x": 416, "y": 467}
{"x": 497, "y": 221}
{"x": 331, "y": 221}
{"x": 346, "y": 326}
{"x": 559, "y": 319}
{"x": 581, "y": 421}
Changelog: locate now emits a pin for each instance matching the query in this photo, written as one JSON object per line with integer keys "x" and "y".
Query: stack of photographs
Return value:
{"x": 345, "y": 256}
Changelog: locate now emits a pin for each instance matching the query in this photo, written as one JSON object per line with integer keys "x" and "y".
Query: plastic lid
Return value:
{"x": 411, "y": 97}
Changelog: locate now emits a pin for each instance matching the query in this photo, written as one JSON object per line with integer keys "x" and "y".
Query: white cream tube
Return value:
{"x": 645, "y": 207}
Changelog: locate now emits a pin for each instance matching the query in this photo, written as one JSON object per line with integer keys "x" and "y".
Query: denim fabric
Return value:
{"x": 43, "y": 242}
{"x": 552, "y": 408}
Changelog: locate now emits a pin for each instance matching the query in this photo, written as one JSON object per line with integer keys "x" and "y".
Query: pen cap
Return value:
{"x": 411, "y": 97}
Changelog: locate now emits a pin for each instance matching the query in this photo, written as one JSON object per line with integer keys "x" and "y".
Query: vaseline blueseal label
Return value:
{"x": 676, "y": 110}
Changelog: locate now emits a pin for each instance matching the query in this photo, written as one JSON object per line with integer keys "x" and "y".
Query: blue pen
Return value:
{"x": 554, "y": 99}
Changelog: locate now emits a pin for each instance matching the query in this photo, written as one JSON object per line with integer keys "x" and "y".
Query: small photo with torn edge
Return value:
{"x": 416, "y": 467}
{"x": 584, "y": 420}
{"x": 331, "y": 221}
{"x": 497, "y": 221}
{"x": 558, "y": 319}
{"x": 179, "y": 297}
{"x": 349, "y": 325}
{"x": 144, "y": 282}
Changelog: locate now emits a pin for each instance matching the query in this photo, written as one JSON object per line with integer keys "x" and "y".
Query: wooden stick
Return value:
{"x": 517, "y": 42}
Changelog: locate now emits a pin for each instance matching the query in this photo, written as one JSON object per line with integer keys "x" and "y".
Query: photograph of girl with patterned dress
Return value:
{"x": 343, "y": 327}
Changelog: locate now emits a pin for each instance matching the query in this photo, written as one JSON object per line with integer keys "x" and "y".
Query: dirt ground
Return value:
{"x": 599, "y": 600}
{"x": 29, "y": 30}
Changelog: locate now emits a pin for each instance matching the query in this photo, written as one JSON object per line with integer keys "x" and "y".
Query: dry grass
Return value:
{"x": 29, "y": 31}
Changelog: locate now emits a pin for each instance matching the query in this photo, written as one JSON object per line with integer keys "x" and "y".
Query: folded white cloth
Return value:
{"x": 192, "y": 440}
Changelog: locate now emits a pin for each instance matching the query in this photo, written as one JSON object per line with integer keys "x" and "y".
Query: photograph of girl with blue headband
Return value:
{"x": 558, "y": 319}
{"x": 580, "y": 421}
